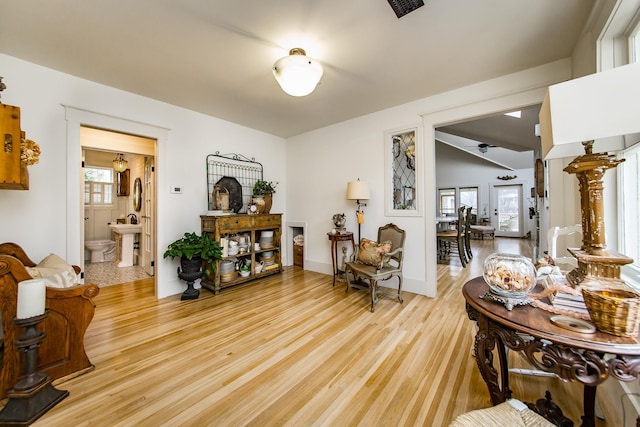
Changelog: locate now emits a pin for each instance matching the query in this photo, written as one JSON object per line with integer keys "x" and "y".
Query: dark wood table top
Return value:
{"x": 536, "y": 322}
{"x": 344, "y": 235}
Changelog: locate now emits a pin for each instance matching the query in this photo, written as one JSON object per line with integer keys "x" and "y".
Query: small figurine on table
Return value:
{"x": 339, "y": 220}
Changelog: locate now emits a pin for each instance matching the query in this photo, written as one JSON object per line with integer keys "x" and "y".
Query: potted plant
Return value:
{"x": 245, "y": 268}
{"x": 262, "y": 195}
{"x": 193, "y": 249}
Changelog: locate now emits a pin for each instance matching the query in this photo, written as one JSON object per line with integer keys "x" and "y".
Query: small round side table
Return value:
{"x": 344, "y": 236}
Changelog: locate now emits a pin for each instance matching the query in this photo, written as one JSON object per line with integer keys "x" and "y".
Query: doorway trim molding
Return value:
{"x": 511, "y": 92}
{"x": 77, "y": 117}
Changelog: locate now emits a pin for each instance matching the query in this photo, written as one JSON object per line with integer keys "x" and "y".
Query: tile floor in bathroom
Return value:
{"x": 108, "y": 273}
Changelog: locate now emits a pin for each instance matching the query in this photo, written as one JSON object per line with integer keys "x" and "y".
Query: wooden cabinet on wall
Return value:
{"x": 251, "y": 227}
{"x": 13, "y": 172}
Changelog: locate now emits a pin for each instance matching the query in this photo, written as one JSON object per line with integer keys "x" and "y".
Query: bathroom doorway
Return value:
{"x": 128, "y": 198}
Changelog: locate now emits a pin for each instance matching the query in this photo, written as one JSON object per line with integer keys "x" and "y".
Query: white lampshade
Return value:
{"x": 297, "y": 74}
{"x": 358, "y": 190}
{"x": 120, "y": 164}
{"x": 594, "y": 107}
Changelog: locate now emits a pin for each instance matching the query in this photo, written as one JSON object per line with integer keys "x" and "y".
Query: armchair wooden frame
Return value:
{"x": 367, "y": 276}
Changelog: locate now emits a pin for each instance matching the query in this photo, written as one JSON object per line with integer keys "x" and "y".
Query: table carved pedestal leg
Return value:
{"x": 335, "y": 238}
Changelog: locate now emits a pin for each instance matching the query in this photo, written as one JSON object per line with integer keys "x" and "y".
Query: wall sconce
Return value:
{"x": 358, "y": 190}
{"x": 297, "y": 74}
{"x": 119, "y": 163}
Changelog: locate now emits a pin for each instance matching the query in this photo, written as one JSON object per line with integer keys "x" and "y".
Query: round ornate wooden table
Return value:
{"x": 572, "y": 356}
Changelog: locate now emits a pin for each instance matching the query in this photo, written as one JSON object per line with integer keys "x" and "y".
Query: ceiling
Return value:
{"x": 510, "y": 140}
{"x": 215, "y": 56}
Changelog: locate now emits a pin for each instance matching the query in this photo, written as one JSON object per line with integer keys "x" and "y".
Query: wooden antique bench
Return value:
{"x": 62, "y": 353}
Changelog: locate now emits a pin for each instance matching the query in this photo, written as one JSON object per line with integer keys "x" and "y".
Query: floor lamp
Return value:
{"x": 358, "y": 191}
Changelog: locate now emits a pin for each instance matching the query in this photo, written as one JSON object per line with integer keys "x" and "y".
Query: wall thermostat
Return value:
{"x": 175, "y": 189}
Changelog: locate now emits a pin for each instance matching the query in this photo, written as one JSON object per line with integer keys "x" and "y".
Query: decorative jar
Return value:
{"x": 509, "y": 275}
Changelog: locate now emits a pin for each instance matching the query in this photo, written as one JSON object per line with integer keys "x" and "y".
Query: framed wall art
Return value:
{"x": 403, "y": 171}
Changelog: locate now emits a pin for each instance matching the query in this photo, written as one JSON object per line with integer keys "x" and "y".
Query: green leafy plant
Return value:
{"x": 192, "y": 244}
{"x": 264, "y": 187}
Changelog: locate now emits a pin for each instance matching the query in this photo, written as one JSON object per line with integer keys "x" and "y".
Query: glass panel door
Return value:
{"x": 507, "y": 211}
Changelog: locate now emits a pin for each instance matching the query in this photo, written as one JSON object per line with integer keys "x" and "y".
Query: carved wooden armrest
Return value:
{"x": 13, "y": 249}
{"x": 87, "y": 291}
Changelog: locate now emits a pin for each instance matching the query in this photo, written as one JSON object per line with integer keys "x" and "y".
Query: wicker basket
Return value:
{"x": 615, "y": 312}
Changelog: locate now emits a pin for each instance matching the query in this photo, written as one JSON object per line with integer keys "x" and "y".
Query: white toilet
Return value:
{"x": 101, "y": 250}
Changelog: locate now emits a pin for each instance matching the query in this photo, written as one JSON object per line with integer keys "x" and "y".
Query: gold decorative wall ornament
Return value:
{"x": 29, "y": 152}
{"x": 507, "y": 177}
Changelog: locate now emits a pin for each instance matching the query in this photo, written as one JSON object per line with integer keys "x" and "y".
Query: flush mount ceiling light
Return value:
{"x": 297, "y": 74}
{"x": 119, "y": 163}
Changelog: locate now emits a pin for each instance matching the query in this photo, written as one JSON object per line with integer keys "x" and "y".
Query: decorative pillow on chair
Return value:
{"x": 373, "y": 253}
{"x": 55, "y": 271}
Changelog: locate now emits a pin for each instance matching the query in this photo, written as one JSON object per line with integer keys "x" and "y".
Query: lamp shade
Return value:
{"x": 297, "y": 74}
{"x": 594, "y": 107}
{"x": 358, "y": 190}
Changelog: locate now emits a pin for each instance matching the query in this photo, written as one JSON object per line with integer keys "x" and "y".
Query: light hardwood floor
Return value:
{"x": 289, "y": 350}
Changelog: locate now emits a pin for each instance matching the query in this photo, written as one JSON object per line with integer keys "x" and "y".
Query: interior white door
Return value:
{"x": 507, "y": 210}
{"x": 148, "y": 215}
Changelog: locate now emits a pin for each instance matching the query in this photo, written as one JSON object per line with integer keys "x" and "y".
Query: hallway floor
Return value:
{"x": 108, "y": 273}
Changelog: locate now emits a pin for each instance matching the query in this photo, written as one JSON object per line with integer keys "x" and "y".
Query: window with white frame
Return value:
{"x": 634, "y": 44}
{"x": 629, "y": 207}
{"x": 469, "y": 198}
{"x": 98, "y": 186}
{"x": 447, "y": 199}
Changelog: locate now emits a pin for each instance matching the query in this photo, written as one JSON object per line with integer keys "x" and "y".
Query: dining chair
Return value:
{"x": 467, "y": 235}
{"x": 452, "y": 242}
{"x": 365, "y": 267}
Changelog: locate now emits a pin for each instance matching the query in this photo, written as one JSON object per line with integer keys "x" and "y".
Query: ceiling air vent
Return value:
{"x": 402, "y": 7}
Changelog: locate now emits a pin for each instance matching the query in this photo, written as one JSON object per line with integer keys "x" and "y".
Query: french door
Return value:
{"x": 507, "y": 210}
{"x": 148, "y": 217}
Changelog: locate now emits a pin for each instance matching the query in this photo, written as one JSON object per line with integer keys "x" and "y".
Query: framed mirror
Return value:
{"x": 403, "y": 172}
{"x": 137, "y": 195}
{"x": 122, "y": 185}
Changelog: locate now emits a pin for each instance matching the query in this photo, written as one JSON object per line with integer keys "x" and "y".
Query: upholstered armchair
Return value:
{"x": 375, "y": 261}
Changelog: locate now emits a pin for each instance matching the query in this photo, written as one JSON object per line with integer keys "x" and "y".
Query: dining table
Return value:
{"x": 444, "y": 223}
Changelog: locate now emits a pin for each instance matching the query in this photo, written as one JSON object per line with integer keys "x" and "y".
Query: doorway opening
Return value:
{"x": 77, "y": 119}
{"x": 124, "y": 200}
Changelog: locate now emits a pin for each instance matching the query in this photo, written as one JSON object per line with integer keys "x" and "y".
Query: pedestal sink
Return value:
{"x": 125, "y": 238}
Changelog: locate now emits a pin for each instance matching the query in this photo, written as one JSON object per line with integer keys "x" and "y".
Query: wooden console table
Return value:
{"x": 252, "y": 226}
{"x": 345, "y": 236}
{"x": 572, "y": 356}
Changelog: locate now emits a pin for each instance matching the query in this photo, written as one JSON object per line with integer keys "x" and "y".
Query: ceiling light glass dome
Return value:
{"x": 297, "y": 74}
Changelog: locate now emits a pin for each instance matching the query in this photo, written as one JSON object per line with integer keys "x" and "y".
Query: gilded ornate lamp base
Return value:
{"x": 597, "y": 271}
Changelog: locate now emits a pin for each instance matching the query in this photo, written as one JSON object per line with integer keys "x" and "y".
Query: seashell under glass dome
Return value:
{"x": 509, "y": 275}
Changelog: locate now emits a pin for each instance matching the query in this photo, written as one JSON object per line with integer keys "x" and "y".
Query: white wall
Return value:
{"x": 37, "y": 219}
{"x": 321, "y": 163}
